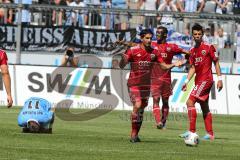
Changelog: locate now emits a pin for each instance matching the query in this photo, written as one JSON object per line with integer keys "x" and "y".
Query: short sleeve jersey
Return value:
{"x": 202, "y": 58}
{"x": 3, "y": 57}
{"x": 167, "y": 51}
{"x": 37, "y": 109}
{"x": 140, "y": 61}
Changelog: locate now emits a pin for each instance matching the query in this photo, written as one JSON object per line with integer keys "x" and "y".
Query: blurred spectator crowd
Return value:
{"x": 105, "y": 19}
{"x": 111, "y": 20}
{"x": 73, "y": 15}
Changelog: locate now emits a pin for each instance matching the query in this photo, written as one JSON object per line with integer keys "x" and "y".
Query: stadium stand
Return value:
{"x": 53, "y": 13}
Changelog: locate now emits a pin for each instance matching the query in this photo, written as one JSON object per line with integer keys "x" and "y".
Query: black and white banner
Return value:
{"x": 89, "y": 87}
{"x": 42, "y": 38}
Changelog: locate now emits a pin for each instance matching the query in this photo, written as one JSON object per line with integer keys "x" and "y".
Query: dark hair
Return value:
{"x": 34, "y": 127}
{"x": 197, "y": 27}
{"x": 145, "y": 31}
{"x": 165, "y": 30}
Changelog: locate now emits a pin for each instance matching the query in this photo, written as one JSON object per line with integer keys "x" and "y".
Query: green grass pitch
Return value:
{"x": 107, "y": 137}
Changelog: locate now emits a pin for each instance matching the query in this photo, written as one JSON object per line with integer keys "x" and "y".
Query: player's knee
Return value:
{"x": 144, "y": 103}
{"x": 205, "y": 111}
{"x": 156, "y": 100}
{"x": 189, "y": 103}
{"x": 137, "y": 104}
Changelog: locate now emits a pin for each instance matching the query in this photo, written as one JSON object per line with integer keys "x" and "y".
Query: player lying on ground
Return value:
{"x": 36, "y": 116}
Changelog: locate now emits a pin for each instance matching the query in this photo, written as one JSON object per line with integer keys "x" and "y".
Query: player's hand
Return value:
{"x": 124, "y": 56}
{"x": 219, "y": 85}
{"x": 9, "y": 101}
{"x": 179, "y": 63}
{"x": 184, "y": 87}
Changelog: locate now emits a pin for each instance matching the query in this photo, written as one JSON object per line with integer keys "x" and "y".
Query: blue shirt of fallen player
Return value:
{"x": 38, "y": 110}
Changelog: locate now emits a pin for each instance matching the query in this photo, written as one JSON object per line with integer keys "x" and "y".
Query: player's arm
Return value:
{"x": 215, "y": 59}
{"x": 125, "y": 58}
{"x": 7, "y": 83}
{"x": 185, "y": 52}
{"x": 191, "y": 72}
{"x": 165, "y": 66}
{"x": 120, "y": 43}
{"x": 178, "y": 50}
{"x": 218, "y": 71}
{"x": 124, "y": 61}
{"x": 128, "y": 44}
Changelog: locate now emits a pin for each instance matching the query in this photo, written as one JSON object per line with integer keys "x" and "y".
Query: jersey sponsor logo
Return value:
{"x": 153, "y": 56}
{"x": 144, "y": 63}
{"x": 139, "y": 55}
{"x": 204, "y": 52}
{"x": 164, "y": 55}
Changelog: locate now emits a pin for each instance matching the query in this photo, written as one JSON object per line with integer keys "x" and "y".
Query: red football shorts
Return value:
{"x": 161, "y": 89}
{"x": 139, "y": 93}
{"x": 201, "y": 91}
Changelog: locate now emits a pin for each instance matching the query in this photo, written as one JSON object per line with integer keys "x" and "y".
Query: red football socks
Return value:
{"x": 134, "y": 119}
{"x": 139, "y": 119}
{"x": 156, "y": 113}
{"x": 165, "y": 111}
{"x": 192, "y": 116}
{"x": 208, "y": 123}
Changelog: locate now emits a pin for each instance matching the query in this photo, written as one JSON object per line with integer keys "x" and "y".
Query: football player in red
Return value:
{"x": 202, "y": 55}
{"x": 161, "y": 79}
{"x": 141, "y": 57}
{"x": 6, "y": 76}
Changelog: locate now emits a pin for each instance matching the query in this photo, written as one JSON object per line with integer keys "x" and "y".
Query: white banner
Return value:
{"x": 217, "y": 100}
{"x": 37, "y": 81}
{"x": 177, "y": 102}
{"x": 108, "y": 88}
{"x": 236, "y": 68}
{"x": 233, "y": 94}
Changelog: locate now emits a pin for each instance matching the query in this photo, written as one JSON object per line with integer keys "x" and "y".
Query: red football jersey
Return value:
{"x": 202, "y": 58}
{"x": 167, "y": 51}
{"x": 3, "y": 57}
{"x": 140, "y": 61}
